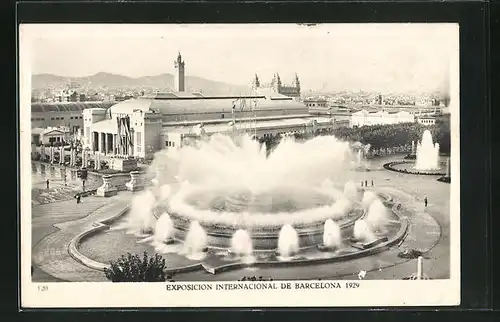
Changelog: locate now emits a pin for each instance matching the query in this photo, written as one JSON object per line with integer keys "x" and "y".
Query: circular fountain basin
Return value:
{"x": 408, "y": 167}
{"x": 262, "y": 215}
{"x": 215, "y": 261}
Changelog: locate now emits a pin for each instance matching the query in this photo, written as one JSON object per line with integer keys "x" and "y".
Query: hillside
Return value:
{"x": 113, "y": 81}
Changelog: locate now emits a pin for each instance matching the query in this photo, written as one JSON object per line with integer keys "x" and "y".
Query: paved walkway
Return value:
{"x": 63, "y": 183}
{"x": 55, "y": 224}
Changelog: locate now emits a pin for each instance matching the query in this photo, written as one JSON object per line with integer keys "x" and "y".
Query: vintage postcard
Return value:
{"x": 239, "y": 165}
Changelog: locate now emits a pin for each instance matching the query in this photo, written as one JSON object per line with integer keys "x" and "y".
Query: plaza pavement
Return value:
{"x": 56, "y": 223}
{"x": 57, "y": 189}
{"x": 53, "y": 227}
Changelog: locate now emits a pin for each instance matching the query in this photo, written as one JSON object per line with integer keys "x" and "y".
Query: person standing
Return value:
{"x": 372, "y": 183}
{"x": 425, "y": 202}
{"x": 78, "y": 196}
{"x": 361, "y": 183}
{"x": 366, "y": 183}
{"x": 48, "y": 184}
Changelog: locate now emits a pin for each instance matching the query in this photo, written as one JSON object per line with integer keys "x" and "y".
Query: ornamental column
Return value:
{"x": 106, "y": 138}
{"x": 52, "y": 155}
{"x": 42, "y": 153}
{"x": 101, "y": 145}
{"x": 61, "y": 155}
{"x": 97, "y": 161}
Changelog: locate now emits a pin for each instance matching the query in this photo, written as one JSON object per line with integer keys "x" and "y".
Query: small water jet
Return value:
{"x": 368, "y": 198}
{"x": 288, "y": 241}
{"x": 427, "y": 153}
{"x": 377, "y": 215}
{"x": 350, "y": 190}
{"x": 362, "y": 232}
{"x": 195, "y": 242}
{"x": 332, "y": 237}
{"x": 359, "y": 158}
{"x": 142, "y": 219}
{"x": 241, "y": 243}
{"x": 164, "y": 229}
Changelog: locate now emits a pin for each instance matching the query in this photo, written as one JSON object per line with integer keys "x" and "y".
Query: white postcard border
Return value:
{"x": 371, "y": 293}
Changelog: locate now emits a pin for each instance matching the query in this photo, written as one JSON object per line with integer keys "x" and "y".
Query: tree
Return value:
{"x": 131, "y": 268}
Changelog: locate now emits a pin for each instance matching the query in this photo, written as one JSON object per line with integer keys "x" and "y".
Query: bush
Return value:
{"x": 131, "y": 268}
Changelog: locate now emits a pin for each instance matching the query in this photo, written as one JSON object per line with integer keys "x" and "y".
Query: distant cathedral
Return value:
{"x": 277, "y": 86}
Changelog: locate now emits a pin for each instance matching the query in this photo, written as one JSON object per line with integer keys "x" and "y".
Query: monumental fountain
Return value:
{"x": 226, "y": 196}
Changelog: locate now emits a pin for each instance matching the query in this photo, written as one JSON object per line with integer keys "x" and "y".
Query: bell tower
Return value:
{"x": 179, "y": 77}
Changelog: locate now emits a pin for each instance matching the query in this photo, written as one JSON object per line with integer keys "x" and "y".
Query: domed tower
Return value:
{"x": 179, "y": 77}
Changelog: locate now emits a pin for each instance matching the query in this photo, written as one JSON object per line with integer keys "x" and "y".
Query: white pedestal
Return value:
{"x": 107, "y": 189}
{"x": 122, "y": 164}
{"x": 135, "y": 183}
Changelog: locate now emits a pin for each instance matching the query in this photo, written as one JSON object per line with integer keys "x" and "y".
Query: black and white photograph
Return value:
{"x": 288, "y": 165}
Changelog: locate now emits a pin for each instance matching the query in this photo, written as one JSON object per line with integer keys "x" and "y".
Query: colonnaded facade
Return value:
{"x": 140, "y": 127}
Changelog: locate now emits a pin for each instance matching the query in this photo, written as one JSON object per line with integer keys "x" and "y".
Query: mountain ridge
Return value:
{"x": 162, "y": 81}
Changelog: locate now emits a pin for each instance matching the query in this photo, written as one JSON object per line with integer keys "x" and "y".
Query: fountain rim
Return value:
{"x": 390, "y": 166}
{"x": 261, "y": 220}
{"x": 258, "y": 219}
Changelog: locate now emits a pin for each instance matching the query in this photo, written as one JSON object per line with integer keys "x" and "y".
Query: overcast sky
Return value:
{"x": 371, "y": 57}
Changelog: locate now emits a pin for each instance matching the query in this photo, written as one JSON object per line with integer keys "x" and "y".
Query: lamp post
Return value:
{"x": 65, "y": 173}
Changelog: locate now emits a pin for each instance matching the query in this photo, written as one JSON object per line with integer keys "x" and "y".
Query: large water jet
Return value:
{"x": 239, "y": 186}
{"x": 427, "y": 153}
